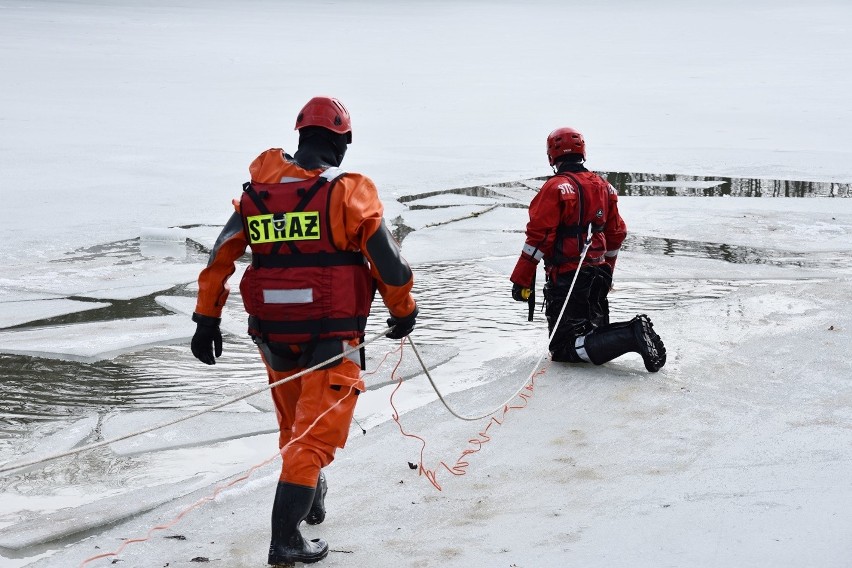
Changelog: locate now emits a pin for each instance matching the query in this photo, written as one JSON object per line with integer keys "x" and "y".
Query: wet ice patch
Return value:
{"x": 48, "y": 439}
{"x": 202, "y": 430}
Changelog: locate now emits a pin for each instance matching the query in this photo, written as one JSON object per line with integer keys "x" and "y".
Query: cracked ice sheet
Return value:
{"x": 96, "y": 341}
{"x": 71, "y": 277}
{"x": 24, "y": 311}
{"x": 51, "y": 438}
{"x": 233, "y": 318}
{"x": 122, "y": 282}
{"x": 794, "y": 224}
{"x": 48, "y": 291}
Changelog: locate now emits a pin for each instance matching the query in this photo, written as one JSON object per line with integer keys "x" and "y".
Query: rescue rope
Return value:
{"x": 535, "y": 367}
{"x": 219, "y": 488}
{"x": 7, "y": 467}
{"x": 475, "y": 444}
{"x": 248, "y": 473}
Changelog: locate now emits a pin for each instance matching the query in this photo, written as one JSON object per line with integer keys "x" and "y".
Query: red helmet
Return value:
{"x": 326, "y": 112}
{"x": 565, "y": 141}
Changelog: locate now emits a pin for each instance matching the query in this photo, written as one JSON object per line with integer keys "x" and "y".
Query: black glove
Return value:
{"x": 519, "y": 293}
{"x": 207, "y": 336}
{"x": 401, "y": 326}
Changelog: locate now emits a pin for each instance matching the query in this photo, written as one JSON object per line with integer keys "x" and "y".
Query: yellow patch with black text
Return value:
{"x": 277, "y": 227}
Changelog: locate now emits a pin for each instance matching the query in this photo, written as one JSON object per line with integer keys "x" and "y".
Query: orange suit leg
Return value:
{"x": 326, "y": 397}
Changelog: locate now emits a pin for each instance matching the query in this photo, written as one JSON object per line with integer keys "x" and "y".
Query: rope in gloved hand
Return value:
{"x": 7, "y": 467}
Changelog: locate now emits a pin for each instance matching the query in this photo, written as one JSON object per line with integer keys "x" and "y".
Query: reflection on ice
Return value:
{"x": 736, "y": 254}
{"x": 632, "y": 183}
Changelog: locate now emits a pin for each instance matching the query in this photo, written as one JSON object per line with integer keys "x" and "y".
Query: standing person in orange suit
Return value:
{"x": 320, "y": 250}
{"x": 571, "y": 203}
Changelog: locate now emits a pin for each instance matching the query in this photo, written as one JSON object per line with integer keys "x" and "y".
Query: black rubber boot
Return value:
{"x": 317, "y": 512}
{"x": 611, "y": 341}
{"x": 562, "y": 344}
{"x": 292, "y": 503}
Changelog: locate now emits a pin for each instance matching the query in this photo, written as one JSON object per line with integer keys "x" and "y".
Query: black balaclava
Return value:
{"x": 320, "y": 148}
{"x": 569, "y": 163}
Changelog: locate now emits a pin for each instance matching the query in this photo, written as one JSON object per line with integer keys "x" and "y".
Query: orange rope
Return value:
{"x": 215, "y": 493}
{"x": 460, "y": 466}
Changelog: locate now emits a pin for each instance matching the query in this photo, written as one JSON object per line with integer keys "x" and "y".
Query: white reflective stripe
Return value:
{"x": 533, "y": 252}
{"x": 580, "y": 348}
{"x": 332, "y": 173}
{"x": 287, "y": 179}
{"x": 298, "y": 296}
{"x": 611, "y": 253}
{"x": 355, "y": 356}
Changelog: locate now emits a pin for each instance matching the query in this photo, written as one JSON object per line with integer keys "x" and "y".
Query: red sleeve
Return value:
{"x": 545, "y": 212}
{"x": 615, "y": 229}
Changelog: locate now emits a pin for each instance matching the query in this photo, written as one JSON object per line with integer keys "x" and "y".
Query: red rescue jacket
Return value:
{"x": 560, "y": 216}
{"x": 584, "y": 207}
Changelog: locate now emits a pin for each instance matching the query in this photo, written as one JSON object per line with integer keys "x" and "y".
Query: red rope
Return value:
{"x": 458, "y": 468}
{"x": 215, "y": 493}
{"x": 475, "y": 444}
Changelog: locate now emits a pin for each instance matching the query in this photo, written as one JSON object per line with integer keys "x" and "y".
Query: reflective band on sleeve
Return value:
{"x": 533, "y": 252}
{"x": 298, "y": 296}
{"x": 580, "y": 348}
{"x": 611, "y": 253}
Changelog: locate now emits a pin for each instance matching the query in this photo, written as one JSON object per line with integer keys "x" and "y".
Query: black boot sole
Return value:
{"x": 651, "y": 346}
{"x": 288, "y": 559}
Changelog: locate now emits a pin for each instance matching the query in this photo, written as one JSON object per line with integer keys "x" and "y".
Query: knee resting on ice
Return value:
{"x": 610, "y": 341}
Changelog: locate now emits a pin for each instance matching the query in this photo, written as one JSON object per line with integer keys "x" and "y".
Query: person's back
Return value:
{"x": 576, "y": 228}
{"x": 320, "y": 250}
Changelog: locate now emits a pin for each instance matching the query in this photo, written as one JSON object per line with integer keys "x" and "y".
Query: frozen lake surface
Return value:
{"x": 127, "y": 128}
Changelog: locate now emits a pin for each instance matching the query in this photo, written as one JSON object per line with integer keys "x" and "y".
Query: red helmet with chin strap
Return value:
{"x": 326, "y": 112}
{"x": 565, "y": 141}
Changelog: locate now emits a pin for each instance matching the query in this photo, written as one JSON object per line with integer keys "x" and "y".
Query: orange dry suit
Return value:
{"x": 320, "y": 248}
